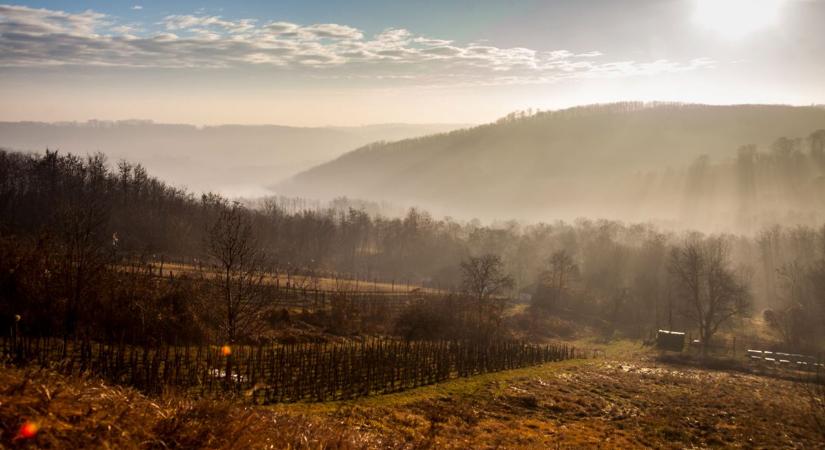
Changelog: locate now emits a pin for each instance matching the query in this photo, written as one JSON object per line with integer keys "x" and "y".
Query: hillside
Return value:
{"x": 231, "y": 159}
{"x": 629, "y": 402}
{"x": 593, "y": 161}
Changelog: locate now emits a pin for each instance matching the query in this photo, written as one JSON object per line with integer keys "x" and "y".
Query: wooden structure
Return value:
{"x": 673, "y": 341}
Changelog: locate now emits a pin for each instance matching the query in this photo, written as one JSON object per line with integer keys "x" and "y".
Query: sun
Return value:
{"x": 735, "y": 19}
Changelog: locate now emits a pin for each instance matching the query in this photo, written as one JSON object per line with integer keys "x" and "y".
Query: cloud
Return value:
{"x": 331, "y": 31}
{"x": 281, "y": 28}
{"x": 137, "y": 7}
{"x": 31, "y": 37}
{"x": 188, "y": 22}
{"x": 40, "y": 22}
{"x": 394, "y": 35}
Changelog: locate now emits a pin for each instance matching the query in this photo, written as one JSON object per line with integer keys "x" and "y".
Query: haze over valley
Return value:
{"x": 430, "y": 224}
{"x": 720, "y": 168}
{"x": 233, "y": 160}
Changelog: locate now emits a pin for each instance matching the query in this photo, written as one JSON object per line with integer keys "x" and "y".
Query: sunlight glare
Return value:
{"x": 734, "y": 19}
{"x": 27, "y": 431}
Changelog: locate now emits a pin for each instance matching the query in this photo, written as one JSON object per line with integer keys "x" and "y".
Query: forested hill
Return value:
{"x": 561, "y": 164}
{"x": 230, "y": 159}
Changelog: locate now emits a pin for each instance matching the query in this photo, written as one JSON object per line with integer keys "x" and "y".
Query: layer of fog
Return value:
{"x": 232, "y": 160}
{"x": 710, "y": 168}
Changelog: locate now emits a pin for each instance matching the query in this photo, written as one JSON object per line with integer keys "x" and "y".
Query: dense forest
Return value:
{"x": 75, "y": 222}
{"x": 678, "y": 165}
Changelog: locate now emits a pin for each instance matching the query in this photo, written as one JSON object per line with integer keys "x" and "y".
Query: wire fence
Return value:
{"x": 757, "y": 353}
{"x": 284, "y": 373}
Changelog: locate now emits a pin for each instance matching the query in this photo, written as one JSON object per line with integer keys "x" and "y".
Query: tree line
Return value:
{"x": 66, "y": 222}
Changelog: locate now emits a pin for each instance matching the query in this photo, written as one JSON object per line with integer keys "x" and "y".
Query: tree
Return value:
{"x": 80, "y": 224}
{"x": 797, "y": 319}
{"x": 710, "y": 292}
{"x": 483, "y": 279}
{"x": 789, "y": 322}
{"x": 231, "y": 242}
{"x": 554, "y": 281}
{"x": 817, "y": 146}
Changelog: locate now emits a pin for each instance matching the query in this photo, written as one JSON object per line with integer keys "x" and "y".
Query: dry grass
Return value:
{"x": 76, "y": 413}
{"x": 608, "y": 404}
{"x": 626, "y": 400}
{"x": 318, "y": 282}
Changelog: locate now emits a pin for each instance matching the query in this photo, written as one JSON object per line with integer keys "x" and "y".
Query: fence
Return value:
{"x": 316, "y": 279}
{"x": 307, "y": 298}
{"x": 759, "y": 353}
{"x": 303, "y": 289}
{"x": 285, "y": 373}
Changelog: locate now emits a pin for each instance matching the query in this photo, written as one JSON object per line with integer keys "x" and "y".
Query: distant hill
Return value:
{"x": 594, "y": 161}
{"x": 231, "y": 159}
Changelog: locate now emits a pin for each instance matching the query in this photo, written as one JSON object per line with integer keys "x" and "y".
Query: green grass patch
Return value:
{"x": 489, "y": 383}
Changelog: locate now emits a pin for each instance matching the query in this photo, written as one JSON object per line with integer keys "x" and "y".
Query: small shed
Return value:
{"x": 673, "y": 341}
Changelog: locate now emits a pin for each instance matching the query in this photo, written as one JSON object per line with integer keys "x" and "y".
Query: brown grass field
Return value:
{"x": 624, "y": 400}
{"x": 323, "y": 283}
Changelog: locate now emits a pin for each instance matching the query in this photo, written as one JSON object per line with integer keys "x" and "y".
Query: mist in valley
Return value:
{"x": 459, "y": 224}
{"x": 233, "y": 160}
{"x": 679, "y": 166}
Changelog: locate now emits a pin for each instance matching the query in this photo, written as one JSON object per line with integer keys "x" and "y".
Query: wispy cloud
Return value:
{"x": 42, "y": 37}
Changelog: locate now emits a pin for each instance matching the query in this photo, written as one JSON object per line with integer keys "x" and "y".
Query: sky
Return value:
{"x": 343, "y": 63}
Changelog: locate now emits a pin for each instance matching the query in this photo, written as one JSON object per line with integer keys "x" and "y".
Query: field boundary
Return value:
{"x": 283, "y": 373}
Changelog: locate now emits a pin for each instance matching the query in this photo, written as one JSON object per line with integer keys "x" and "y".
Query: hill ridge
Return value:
{"x": 564, "y": 160}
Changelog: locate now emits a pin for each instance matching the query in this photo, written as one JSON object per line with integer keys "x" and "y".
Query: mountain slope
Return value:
{"x": 232, "y": 159}
{"x": 586, "y": 161}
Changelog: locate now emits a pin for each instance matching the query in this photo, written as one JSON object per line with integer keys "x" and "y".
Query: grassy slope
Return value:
{"x": 622, "y": 401}
{"x": 540, "y": 161}
{"x": 625, "y": 400}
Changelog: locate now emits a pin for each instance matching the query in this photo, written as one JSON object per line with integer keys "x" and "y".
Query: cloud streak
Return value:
{"x": 32, "y": 37}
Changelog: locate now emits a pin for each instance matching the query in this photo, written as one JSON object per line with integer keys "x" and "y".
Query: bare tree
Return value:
{"x": 80, "y": 224}
{"x": 554, "y": 282}
{"x": 483, "y": 279}
{"x": 788, "y": 322}
{"x": 710, "y": 291}
{"x": 796, "y": 319}
{"x": 231, "y": 242}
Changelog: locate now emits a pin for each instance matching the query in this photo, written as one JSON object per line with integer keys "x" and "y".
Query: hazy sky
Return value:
{"x": 309, "y": 62}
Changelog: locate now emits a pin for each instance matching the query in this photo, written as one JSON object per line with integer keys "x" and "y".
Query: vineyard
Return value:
{"x": 284, "y": 277}
{"x": 300, "y": 289}
{"x": 284, "y": 373}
